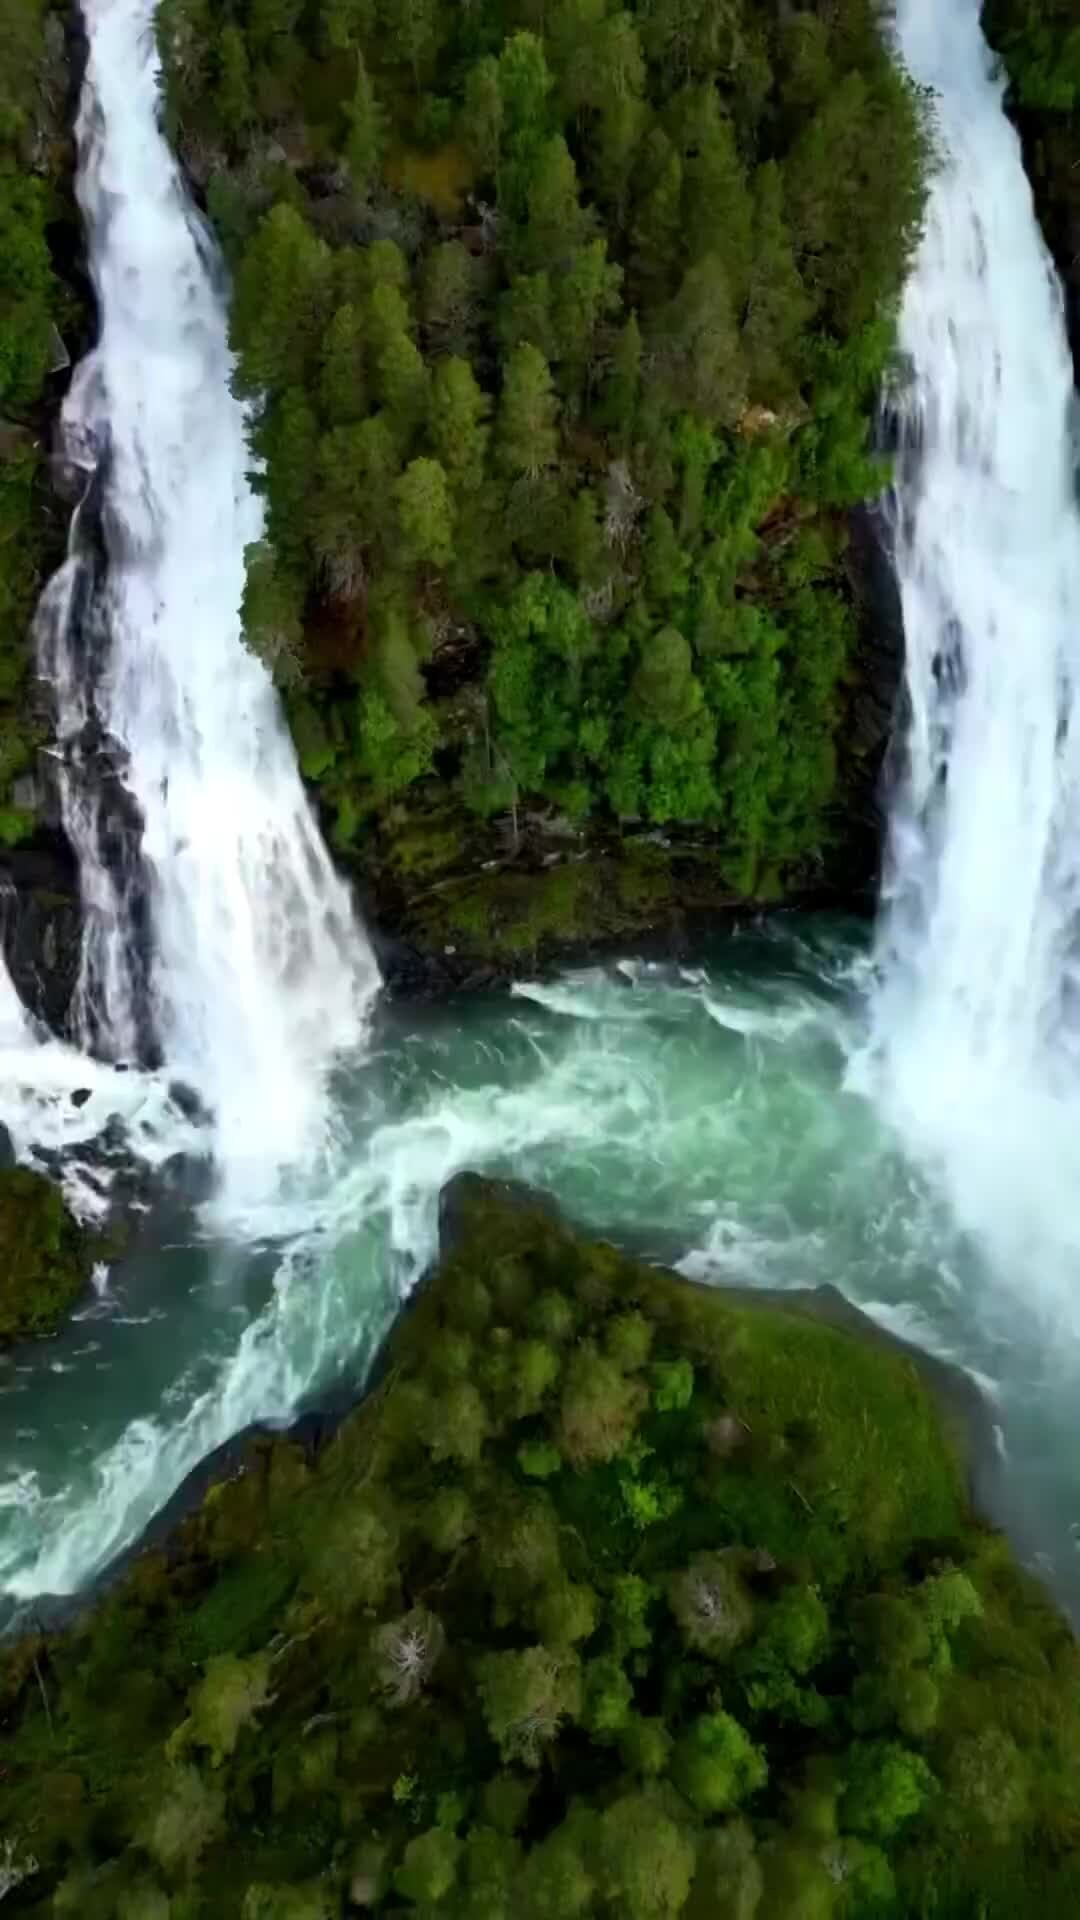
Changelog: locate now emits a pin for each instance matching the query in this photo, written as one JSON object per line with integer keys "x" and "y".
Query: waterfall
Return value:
{"x": 978, "y": 1017}
{"x": 218, "y": 938}
{"x": 704, "y": 1110}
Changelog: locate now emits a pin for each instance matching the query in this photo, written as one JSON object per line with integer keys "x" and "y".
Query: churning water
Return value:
{"x": 901, "y": 1123}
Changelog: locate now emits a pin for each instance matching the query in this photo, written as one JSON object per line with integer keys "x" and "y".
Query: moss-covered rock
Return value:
{"x": 616, "y": 1597}
{"x": 454, "y": 903}
{"x": 44, "y": 1260}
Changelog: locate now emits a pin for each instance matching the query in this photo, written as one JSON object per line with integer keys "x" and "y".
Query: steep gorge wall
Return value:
{"x": 1038, "y": 42}
{"x": 46, "y": 323}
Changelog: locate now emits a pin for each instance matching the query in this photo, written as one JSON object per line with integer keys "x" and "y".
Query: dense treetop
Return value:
{"x": 618, "y": 1598}
{"x": 562, "y": 324}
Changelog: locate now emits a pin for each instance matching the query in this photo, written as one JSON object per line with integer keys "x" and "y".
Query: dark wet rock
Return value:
{"x": 868, "y": 740}
{"x": 408, "y": 970}
{"x": 1049, "y": 142}
{"x": 41, "y": 926}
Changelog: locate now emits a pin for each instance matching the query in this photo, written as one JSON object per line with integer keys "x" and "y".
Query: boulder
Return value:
{"x": 41, "y": 927}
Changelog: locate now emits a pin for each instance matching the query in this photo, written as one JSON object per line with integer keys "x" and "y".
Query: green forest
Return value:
{"x": 618, "y": 1597}
{"x": 34, "y": 213}
{"x": 562, "y": 325}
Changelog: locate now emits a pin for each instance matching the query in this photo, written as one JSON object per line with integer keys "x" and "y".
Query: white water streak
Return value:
{"x": 977, "y": 1018}
{"x": 260, "y": 979}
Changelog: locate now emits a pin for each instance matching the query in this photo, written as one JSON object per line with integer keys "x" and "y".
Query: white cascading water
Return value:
{"x": 258, "y": 977}
{"x": 978, "y": 1019}
{"x": 708, "y": 1108}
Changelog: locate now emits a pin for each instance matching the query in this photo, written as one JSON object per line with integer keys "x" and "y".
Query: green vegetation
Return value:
{"x": 1039, "y": 41}
{"x": 563, "y": 324}
{"x": 511, "y": 915}
{"x": 33, "y": 163}
{"x": 617, "y": 1597}
{"x": 44, "y": 1262}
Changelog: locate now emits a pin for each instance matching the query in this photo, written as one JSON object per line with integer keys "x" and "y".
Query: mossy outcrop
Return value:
{"x": 44, "y": 1260}
{"x": 1039, "y": 45}
{"x": 616, "y": 1597}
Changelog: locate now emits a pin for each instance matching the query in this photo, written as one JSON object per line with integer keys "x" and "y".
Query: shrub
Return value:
{"x": 429, "y": 1867}
{"x": 229, "y": 1697}
{"x": 526, "y": 1697}
{"x": 599, "y": 1409}
{"x": 647, "y": 1858}
{"x": 189, "y": 1816}
{"x": 886, "y": 1785}
{"x": 716, "y": 1764}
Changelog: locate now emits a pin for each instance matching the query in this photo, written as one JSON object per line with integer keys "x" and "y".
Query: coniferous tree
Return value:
{"x": 525, "y": 432}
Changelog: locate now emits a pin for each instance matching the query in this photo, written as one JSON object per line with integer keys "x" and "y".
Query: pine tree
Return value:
{"x": 457, "y": 422}
{"x": 586, "y": 295}
{"x": 524, "y": 87}
{"x": 777, "y": 307}
{"x": 289, "y": 439}
{"x": 280, "y": 302}
{"x": 623, "y": 384}
{"x": 400, "y": 679}
{"x": 718, "y": 212}
{"x": 615, "y": 148}
{"x": 696, "y": 343}
{"x": 346, "y": 23}
{"x": 401, "y": 380}
{"x": 425, "y": 515}
{"x": 448, "y": 296}
{"x": 524, "y": 314}
{"x": 482, "y": 116}
{"x": 233, "y": 97}
{"x": 526, "y": 428}
{"x": 556, "y": 222}
{"x": 364, "y": 139}
{"x": 271, "y": 614}
{"x": 342, "y": 376}
{"x": 411, "y": 31}
{"x": 656, "y": 234}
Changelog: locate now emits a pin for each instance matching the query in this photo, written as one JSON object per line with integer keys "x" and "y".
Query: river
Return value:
{"x": 897, "y": 1115}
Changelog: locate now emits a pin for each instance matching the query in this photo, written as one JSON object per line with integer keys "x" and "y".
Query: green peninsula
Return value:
{"x": 615, "y": 1597}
